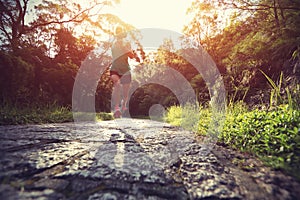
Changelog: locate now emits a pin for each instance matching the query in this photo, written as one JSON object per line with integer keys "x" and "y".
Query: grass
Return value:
{"x": 272, "y": 135}
{"x": 188, "y": 117}
{"x": 13, "y": 115}
{"x": 103, "y": 116}
{"x": 10, "y": 115}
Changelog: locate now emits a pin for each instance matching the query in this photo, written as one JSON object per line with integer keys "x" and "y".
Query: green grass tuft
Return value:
{"x": 272, "y": 135}
{"x": 10, "y": 115}
{"x": 13, "y": 115}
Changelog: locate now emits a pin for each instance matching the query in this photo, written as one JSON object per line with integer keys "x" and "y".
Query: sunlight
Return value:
{"x": 166, "y": 14}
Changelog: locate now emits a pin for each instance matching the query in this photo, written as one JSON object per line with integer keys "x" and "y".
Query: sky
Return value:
{"x": 164, "y": 14}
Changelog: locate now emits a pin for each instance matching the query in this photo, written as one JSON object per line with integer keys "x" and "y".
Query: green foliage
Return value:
{"x": 174, "y": 115}
{"x": 189, "y": 117}
{"x": 150, "y": 94}
{"x": 272, "y": 135}
{"x": 102, "y": 116}
{"x": 16, "y": 79}
{"x": 205, "y": 120}
{"x": 41, "y": 54}
{"x": 284, "y": 92}
{"x": 257, "y": 35}
{"x": 275, "y": 88}
{"x": 103, "y": 93}
{"x": 58, "y": 81}
{"x": 51, "y": 113}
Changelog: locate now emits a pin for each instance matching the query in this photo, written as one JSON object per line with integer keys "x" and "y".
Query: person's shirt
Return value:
{"x": 120, "y": 51}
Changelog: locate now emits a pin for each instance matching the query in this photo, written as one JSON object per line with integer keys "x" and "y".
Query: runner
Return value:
{"x": 120, "y": 71}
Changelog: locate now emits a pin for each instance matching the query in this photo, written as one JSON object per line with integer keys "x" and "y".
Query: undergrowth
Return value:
{"x": 52, "y": 113}
{"x": 37, "y": 114}
{"x": 273, "y": 135}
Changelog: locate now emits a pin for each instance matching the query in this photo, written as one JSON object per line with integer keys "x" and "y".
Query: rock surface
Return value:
{"x": 129, "y": 159}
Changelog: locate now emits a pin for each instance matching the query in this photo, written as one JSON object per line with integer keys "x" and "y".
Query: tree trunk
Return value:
{"x": 276, "y": 14}
{"x": 282, "y": 13}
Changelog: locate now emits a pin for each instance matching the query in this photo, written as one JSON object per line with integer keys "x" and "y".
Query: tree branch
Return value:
{"x": 73, "y": 19}
{"x": 249, "y": 6}
{"x": 4, "y": 30}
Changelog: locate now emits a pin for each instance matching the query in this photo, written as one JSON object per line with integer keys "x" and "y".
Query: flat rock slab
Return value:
{"x": 128, "y": 159}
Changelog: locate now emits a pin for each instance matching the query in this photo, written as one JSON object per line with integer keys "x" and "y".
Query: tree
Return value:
{"x": 248, "y": 43}
{"x": 41, "y": 57}
{"x": 13, "y": 26}
{"x": 20, "y": 76}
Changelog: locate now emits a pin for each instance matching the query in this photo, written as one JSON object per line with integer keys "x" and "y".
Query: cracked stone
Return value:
{"x": 128, "y": 159}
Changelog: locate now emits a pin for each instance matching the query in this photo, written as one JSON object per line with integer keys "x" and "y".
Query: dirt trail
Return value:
{"x": 128, "y": 159}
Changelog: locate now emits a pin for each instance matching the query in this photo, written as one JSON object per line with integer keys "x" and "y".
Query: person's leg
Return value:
{"x": 125, "y": 88}
{"x": 116, "y": 91}
{"x": 125, "y": 81}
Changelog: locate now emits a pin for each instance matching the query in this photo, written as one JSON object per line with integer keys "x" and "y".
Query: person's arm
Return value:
{"x": 133, "y": 55}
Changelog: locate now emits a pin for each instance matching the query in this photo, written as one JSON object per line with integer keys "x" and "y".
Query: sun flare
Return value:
{"x": 166, "y": 14}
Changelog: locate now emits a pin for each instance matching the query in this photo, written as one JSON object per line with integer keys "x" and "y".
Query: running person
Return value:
{"x": 120, "y": 71}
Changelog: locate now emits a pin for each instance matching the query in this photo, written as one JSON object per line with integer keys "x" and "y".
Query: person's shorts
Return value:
{"x": 124, "y": 79}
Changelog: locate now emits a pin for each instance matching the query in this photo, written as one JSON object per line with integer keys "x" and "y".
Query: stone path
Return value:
{"x": 128, "y": 159}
